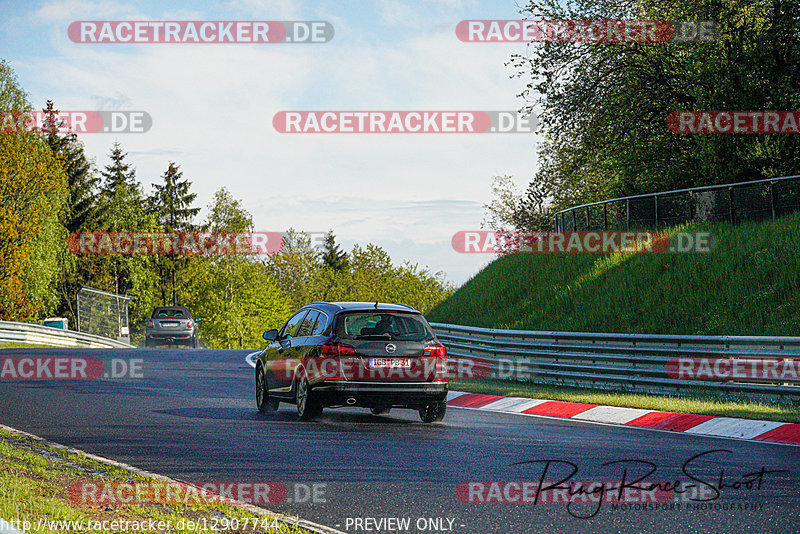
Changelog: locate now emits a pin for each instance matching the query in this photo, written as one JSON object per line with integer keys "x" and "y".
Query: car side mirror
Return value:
{"x": 271, "y": 335}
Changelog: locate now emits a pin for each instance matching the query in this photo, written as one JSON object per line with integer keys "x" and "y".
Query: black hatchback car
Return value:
{"x": 372, "y": 355}
{"x": 172, "y": 325}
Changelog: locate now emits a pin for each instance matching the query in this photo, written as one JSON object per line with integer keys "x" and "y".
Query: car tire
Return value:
{"x": 195, "y": 342}
{"x": 433, "y": 412}
{"x": 148, "y": 343}
{"x": 264, "y": 402}
{"x": 308, "y": 406}
{"x": 380, "y": 410}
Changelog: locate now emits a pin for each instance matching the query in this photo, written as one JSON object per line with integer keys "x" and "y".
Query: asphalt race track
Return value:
{"x": 192, "y": 416}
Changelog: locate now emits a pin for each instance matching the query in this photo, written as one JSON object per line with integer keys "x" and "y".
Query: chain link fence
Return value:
{"x": 743, "y": 201}
{"x": 103, "y": 314}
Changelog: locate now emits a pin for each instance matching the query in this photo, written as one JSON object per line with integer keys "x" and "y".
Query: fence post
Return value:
{"x": 772, "y": 198}
{"x": 691, "y": 210}
{"x": 627, "y": 214}
{"x": 574, "y": 221}
{"x": 655, "y": 199}
{"x": 605, "y": 216}
{"x": 587, "y": 218}
{"x": 733, "y": 208}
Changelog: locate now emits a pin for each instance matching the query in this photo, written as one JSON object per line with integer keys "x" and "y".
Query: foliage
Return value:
{"x": 603, "y": 107}
{"x": 171, "y": 204}
{"x": 334, "y": 257}
{"x": 33, "y": 193}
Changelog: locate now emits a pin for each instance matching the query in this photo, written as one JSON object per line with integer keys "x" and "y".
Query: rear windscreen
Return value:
{"x": 377, "y": 325}
{"x": 170, "y": 314}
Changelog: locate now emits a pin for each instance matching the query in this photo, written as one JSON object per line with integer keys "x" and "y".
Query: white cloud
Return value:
{"x": 212, "y": 109}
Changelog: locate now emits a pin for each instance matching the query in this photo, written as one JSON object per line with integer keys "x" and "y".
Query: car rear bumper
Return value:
{"x": 388, "y": 394}
{"x": 170, "y": 337}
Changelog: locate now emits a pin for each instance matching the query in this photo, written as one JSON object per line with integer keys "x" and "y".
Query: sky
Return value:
{"x": 212, "y": 107}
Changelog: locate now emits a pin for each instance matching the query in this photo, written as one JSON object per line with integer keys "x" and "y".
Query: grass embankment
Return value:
{"x": 749, "y": 285}
{"x": 35, "y": 481}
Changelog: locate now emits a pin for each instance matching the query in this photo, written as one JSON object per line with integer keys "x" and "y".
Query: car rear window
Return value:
{"x": 170, "y": 313}
{"x": 382, "y": 325}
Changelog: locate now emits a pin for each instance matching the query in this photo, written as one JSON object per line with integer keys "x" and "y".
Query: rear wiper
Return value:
{"x": 385, "y": 335}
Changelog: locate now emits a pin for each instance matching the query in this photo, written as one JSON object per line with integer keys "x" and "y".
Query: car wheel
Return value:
{"x": 195, "y": 342}
{"x": 380, "y": 410}
{"x": 308, "y": 407}
{"x": 433, "y": 412}
{"x": 264, "y": 402}
{"x": 148, "y": 343}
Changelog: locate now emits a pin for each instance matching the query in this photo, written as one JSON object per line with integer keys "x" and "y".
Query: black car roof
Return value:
{"x": 182, "y": 308}
{"x": 360, "y": 306}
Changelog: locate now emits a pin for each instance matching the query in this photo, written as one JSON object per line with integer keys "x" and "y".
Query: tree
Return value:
{"x": 33, "y": 193}
{"x": 82, "y": 182}
{"x": 81, "y": 205}
{"x": 234, "y": 294}
{"x": 333, "y": 257}
{"x": 121, "y": 208}
{"x": 171, "y": 204}
{"x": 604, "y": 106}
{"x": 295, "y": 266}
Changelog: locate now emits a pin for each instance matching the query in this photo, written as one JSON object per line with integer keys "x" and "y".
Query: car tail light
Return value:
{"x": 436, "y": 351}
{"x": 189, "y": 324}
{"x": 150, "y": 323}
{"x": 337, "y": 349}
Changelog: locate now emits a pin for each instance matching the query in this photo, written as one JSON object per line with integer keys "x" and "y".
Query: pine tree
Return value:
{"x": 68, "y": 150}
{"x": 121, "y": 209}
{"x": 81, "y": 206}
{"x": 171, "y": 202}
{"x": 119, "y": 177}
{"x": 333, "y": 256}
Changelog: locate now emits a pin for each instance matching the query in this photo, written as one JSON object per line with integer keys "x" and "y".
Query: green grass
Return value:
{"x": 35, "y": 480}
{"x": 749, "y": 285}
{"x": 708, "y": 405}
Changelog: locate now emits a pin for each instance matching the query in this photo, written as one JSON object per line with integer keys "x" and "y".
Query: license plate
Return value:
{"x": 391, "y": 363}
{"x": 169, "y": 325}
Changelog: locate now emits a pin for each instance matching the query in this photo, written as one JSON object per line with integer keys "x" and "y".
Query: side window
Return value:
{"x": 322, "y": 324}
{"x": 290, "y": 327}
{"x": 307, "y": 324}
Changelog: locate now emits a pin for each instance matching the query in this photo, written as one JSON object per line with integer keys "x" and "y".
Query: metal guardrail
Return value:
{"x": 741, "y": 201}
{"x": 45, "y": 335}
{"x": 626, "y": 362}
